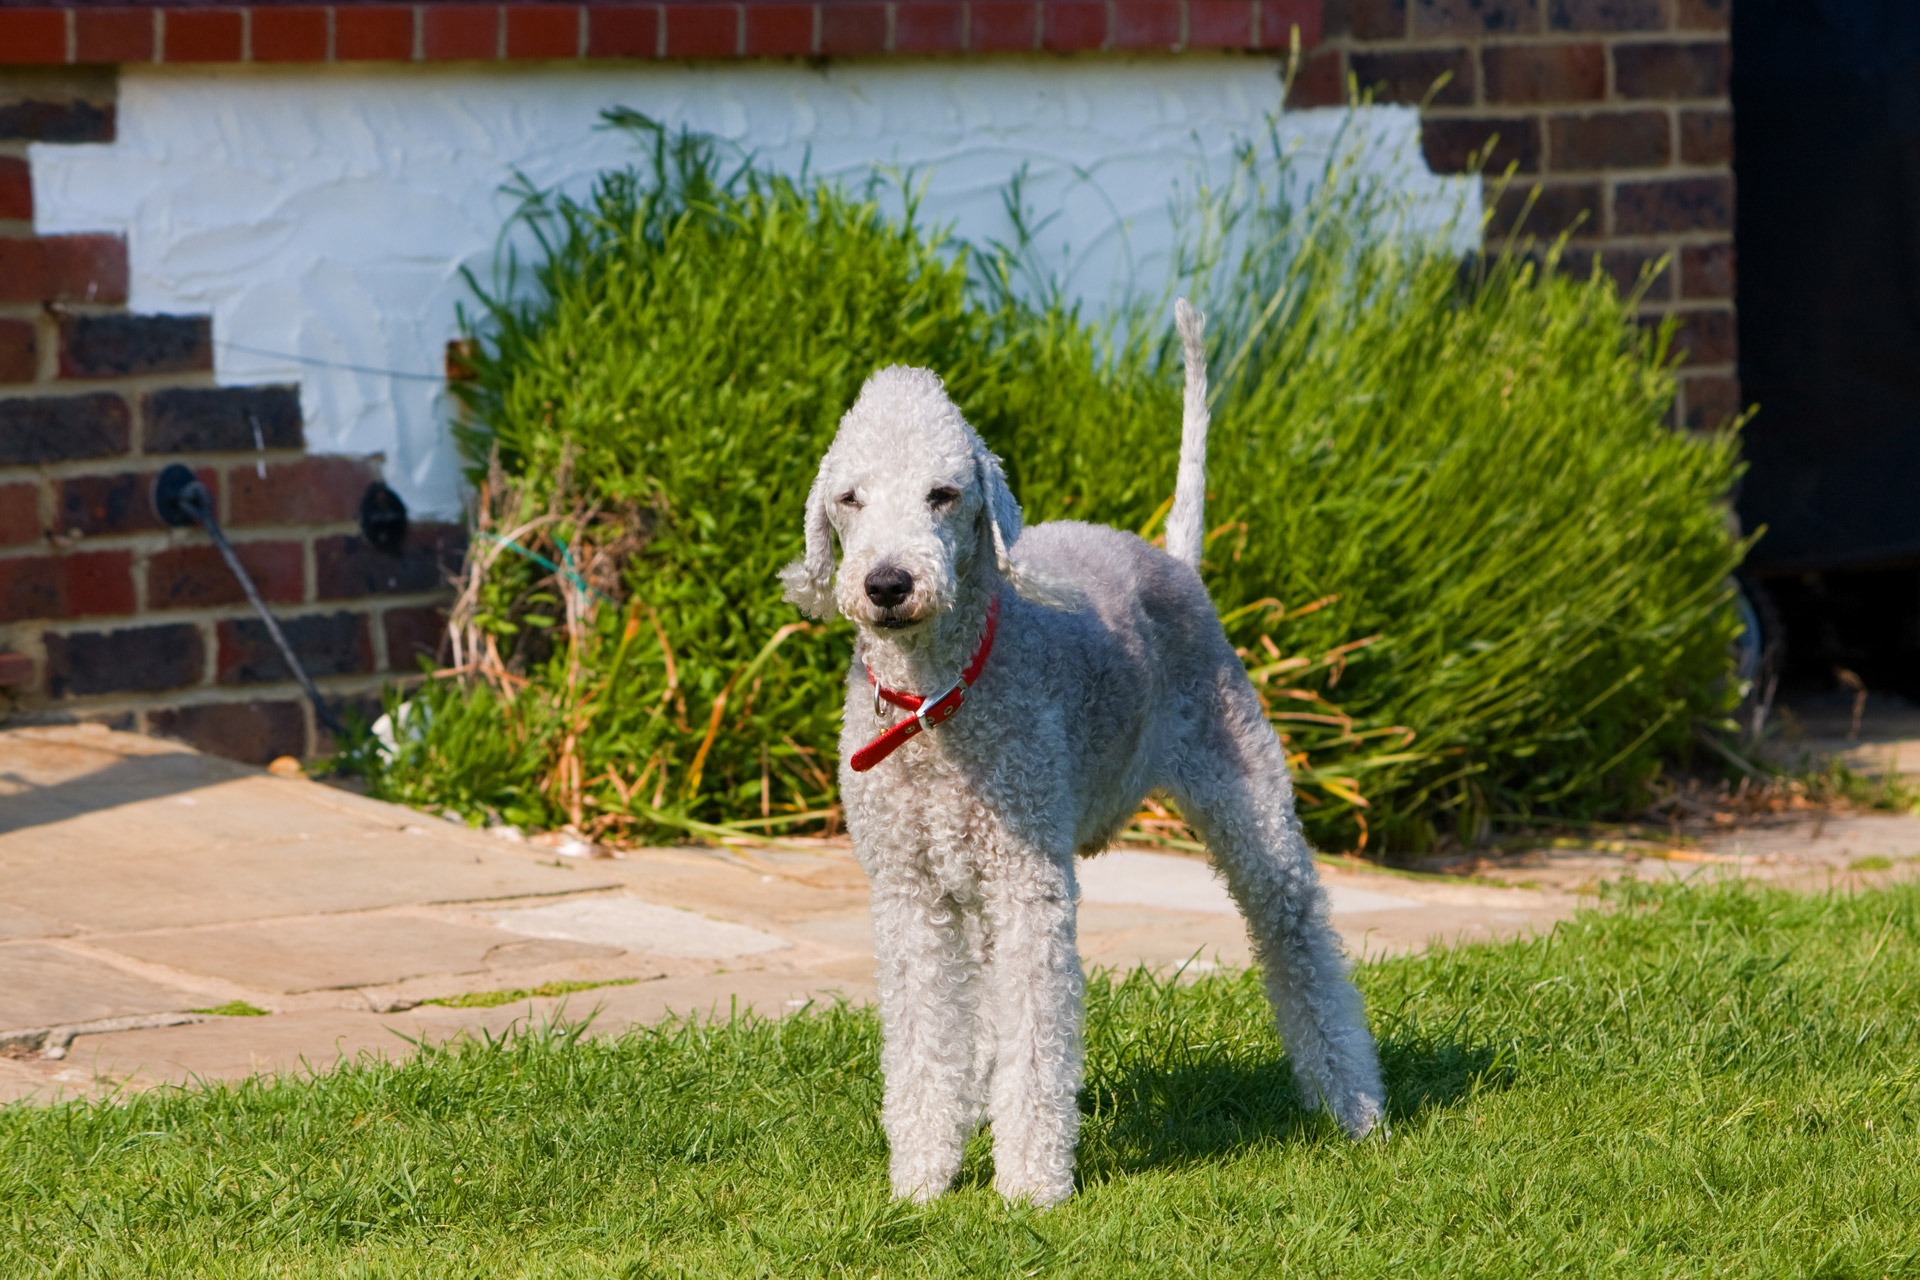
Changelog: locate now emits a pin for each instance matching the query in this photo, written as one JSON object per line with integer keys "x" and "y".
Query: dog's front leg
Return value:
{"x": 1037, "y": 992}
{"x": 928, "y": 995}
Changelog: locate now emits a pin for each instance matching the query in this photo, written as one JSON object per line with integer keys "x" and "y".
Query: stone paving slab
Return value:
{"x": 43, "y": 985}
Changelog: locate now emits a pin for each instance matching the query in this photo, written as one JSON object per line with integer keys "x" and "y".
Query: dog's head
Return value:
{"x": 918, "y": 504}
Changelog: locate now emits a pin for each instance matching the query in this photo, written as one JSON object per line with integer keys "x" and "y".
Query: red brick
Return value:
{"x": 1702, "y": 15}
{"x": 1696, "y": 69}
{"x": 19, "y": 351}
{"x": 1320, "y": 80}
{"x": 1614, "y": 140}
{"x": 1554, "y": 72}
{"x": 702, "y": 30}
{"x": 1706, "y": 137}
{"x": 113, "y": 503}
{"x": 290, "y": 34}
{"x": 62, "y": 429}
{"x": 1560, "y": 206}
{"x": 543, "y": 31}
{"x": 20, "y": 514}
{"x": 16, "y": 188}
{"x": 1625, "y": 267}
{"x": 414, "y": 632}
{"x": 1673, "y": 205}
{"x": 1278, "y": 18}
{"x": 1461, "y": 144}
{"x": 316, "y": 490}
{"x": 1475, "y": 17}
{"x": 222, "y": 419}
{"x": 1607, "y": 15}
{"x": 786, "y": 30}
{"x": 37, "y": 119}
{"x": 1002, "y": 26}
{"x": 1707, "y": 270}
{"x": 1374, "y": 20}
{"x": 83, "y": 584}
{"x": 85, "y": 268}
{"x": 121, "y": 346}
{"x": 1705, "y": 337}
{"x": 920, "y": 26}
{"x": 195, "y": 576}
{"x": 460, "y": 32}
{"x": 347, "y": 567}
{"x": 250, "y": 732}
{"x": 31, "y": 587}
{"x": 1146, "y": 24}
{"x": 33, "y": 36}
{"x": 1411, "y": 76}
{"x": 624, "y": 31}
{"x": 1220, "y": 24}
{"x": 133, "y": 660}
{"x": 1708, "y": 400}
{"x": 848, "y": 28}
{"x": 16, "y": 671}
{"x": 113, "y": 35}
{"x": 201, "y": 35}
{"x": 327, "y": 644}
{"x": 375, "y": 33}
{"x": 1073, "y": 26}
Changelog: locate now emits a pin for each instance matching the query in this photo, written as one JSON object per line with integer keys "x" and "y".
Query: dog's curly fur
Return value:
{"x": 1110, "y": 678}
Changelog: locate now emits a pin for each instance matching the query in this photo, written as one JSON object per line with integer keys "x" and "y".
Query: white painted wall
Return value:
{"x": 322, "y": 215}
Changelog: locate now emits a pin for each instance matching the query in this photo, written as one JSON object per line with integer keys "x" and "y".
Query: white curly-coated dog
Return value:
{"x": 1013, "y": 698}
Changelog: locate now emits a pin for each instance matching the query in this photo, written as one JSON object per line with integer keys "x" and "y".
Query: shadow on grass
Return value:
{"x": 1168, "y": 1114}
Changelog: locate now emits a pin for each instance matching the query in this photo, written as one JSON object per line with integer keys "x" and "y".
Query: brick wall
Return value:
{"x": 105, "y": 613}
{"x": 1617, "y": 110}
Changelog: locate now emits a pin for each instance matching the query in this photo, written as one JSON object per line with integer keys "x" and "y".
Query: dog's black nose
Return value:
{"x": 888, "y": 586}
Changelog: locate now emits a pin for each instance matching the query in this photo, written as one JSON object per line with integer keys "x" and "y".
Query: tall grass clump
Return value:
{"x": 1472, "y": 571}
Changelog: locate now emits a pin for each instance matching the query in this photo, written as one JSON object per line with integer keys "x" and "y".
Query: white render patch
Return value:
{"x": 1129, "y": 878}
{"x": 323, "y": 215}
{"x": 633, "y": 925}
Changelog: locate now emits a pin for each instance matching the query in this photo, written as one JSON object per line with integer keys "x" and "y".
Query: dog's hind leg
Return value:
{"x": 929, "y": 990}
{"x": 1231, "y": 782}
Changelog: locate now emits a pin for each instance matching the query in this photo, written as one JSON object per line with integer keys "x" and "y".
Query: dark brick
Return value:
{"x": 1708, "y": 400}
{"x": 1607, "y": 15}
{"x": 197, "y": 577}
{"x": 1624, "y": 267}
{"x": 1278, "y": 19}
{"x": 1536, "y": 73}
{"x": 1707, "y": 270}
{"x": 1616, "y": 140}
{"x": 78, "y": 585}
{"x": 1409, "y": 76}
{"x": 1475, "y": 17}
{"x": 1455, "y": 144}
{"x": 1706, "y": 137}
{"x": 16, "y": 671}
{"x": 1668, "y": 70}
{"x": 136, "y": 660}
{"x": 117, "y": 503}
{"x": 56, "y": 120}
{"x": 20, "y": 514}
{"x": 19, "y": 351}
{"x": 1371, "y": 20}
{"x": 119, "y": 346}
{"x": 327, "y": 644}
{"x": 1703, "y": 15}
{"x": 316, "y": 490}
{"x": 1705, "y": 337}
{"x": 1673, "y": 204}
{"x": 85, "y": 268}
{"x": 62, "y": 429}
{"x": 16, "y": 188}
{"x": 1560, "y": 206}
{"x": 347, "y": 567}
{"x": 222, "y": 419}
{"x": 250, "y": 732}
{"x": 413, "y": 633}
{"x": 1319, "y": 81}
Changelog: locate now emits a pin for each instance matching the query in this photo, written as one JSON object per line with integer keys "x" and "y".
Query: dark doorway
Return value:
{"x": 1826, "y": 97}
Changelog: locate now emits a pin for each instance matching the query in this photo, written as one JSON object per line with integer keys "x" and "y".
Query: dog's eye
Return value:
{"x": 851, "y": 498}
{"x": 942, "y": 498}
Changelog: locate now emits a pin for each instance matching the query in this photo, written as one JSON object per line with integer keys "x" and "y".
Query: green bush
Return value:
{"x": 1473, "y": 572}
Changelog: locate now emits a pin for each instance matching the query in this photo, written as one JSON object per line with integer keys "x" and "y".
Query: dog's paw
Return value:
{"x": 1363, "y": 1115}
{"x": 1040, "y": 1194}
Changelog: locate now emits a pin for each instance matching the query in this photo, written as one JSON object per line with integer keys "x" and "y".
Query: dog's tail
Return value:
{"x": 1186, "y": 522}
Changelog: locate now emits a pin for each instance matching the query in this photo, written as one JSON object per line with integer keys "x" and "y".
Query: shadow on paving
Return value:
{"x": 126, "y": 781}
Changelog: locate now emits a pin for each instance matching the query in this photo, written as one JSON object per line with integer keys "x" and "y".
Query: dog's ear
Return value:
{"x": 809, "y": 580}
{"x": 1001, "y": 515}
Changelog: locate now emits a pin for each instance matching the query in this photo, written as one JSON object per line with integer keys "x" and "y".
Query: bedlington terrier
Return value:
{"x": 1013, "y": 698}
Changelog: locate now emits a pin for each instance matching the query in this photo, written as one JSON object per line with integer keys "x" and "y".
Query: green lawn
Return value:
{"x": 1699, "y": 1082}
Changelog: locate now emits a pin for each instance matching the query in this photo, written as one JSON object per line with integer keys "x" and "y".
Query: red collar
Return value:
{"x": 927, "y": 712}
